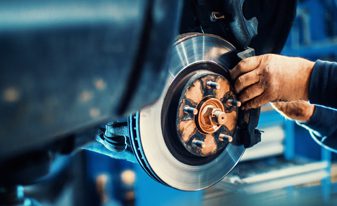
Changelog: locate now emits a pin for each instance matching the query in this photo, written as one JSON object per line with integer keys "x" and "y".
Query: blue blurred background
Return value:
{"x": 313, "y": 36}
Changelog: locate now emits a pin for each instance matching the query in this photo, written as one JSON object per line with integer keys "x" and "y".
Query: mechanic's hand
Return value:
{"x": 270, "y": 77}
{"x": 295, "y": 110}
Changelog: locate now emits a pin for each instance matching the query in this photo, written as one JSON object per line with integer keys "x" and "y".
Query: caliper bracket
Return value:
{"x": 247, "y": 134}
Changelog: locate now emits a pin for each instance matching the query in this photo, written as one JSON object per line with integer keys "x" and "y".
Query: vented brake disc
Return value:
{"x": 194, "y": 134}
{"x": 184, "y": 139}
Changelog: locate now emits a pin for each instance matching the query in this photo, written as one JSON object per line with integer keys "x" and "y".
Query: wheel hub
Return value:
{"x": 205, "y": 120}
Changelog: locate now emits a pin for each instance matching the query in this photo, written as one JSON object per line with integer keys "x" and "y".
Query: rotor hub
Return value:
{"x": 205, "y": 118}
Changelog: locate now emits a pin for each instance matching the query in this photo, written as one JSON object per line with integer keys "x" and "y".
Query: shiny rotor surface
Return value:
{"x": 187, "y": 51}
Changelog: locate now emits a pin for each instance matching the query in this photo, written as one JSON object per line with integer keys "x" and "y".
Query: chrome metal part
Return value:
{"x": 190, "y": 110}
{"x": 215, "y": 16}
{"x": 159, "y": 150}
{"x": 213, "y": 85}
{"x": 233, "y": 103}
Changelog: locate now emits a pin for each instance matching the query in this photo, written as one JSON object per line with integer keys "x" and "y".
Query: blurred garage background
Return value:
{"x": 288, "y": 162}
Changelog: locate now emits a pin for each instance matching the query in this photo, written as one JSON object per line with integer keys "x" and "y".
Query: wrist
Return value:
{"x": 308, "y": 113}
{"x": 305, "y": 71}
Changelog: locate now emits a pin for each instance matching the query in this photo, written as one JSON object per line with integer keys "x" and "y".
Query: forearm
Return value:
{"x": 323, "y": 84}
{"x": 323, "y": 121}
{"x": 322, "y": 127}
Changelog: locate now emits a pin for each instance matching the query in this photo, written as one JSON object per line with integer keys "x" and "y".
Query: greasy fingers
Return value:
{"x": 256, "y": 102}
{"x": 251, "y": 92}
{"x": 245, "y": 66}
{"x": 246, "y": 80}
{"x": 269, "y": 78}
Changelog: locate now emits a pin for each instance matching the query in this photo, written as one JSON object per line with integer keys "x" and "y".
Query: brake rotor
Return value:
{"x": 184, "y": 139}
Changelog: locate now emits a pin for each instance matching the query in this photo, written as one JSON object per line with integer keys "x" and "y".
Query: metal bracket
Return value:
{"x": 247, "y": 133}
{"x": 242, "y": 29}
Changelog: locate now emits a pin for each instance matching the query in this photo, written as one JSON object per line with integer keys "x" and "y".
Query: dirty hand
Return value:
{"x": 269, "y": 78}
{"x": 296, "y": 110}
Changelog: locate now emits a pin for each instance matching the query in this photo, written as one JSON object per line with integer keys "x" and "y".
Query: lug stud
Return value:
{"x": 198, "y": 143}
{"x": 213, "y": 85}
{"x": 222, "y": 137}
{"x": 233, "y": 103}
{"x": 190, "y": 110}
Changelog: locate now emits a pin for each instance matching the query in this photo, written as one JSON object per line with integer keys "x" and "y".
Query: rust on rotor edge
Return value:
{"x": 205, "y": 120}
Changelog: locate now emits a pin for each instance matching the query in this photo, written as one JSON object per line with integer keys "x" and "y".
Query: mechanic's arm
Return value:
{"x": 318, "y": 120}
{"x": 270, "y": 78}
{"x": 323, "y": 84}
